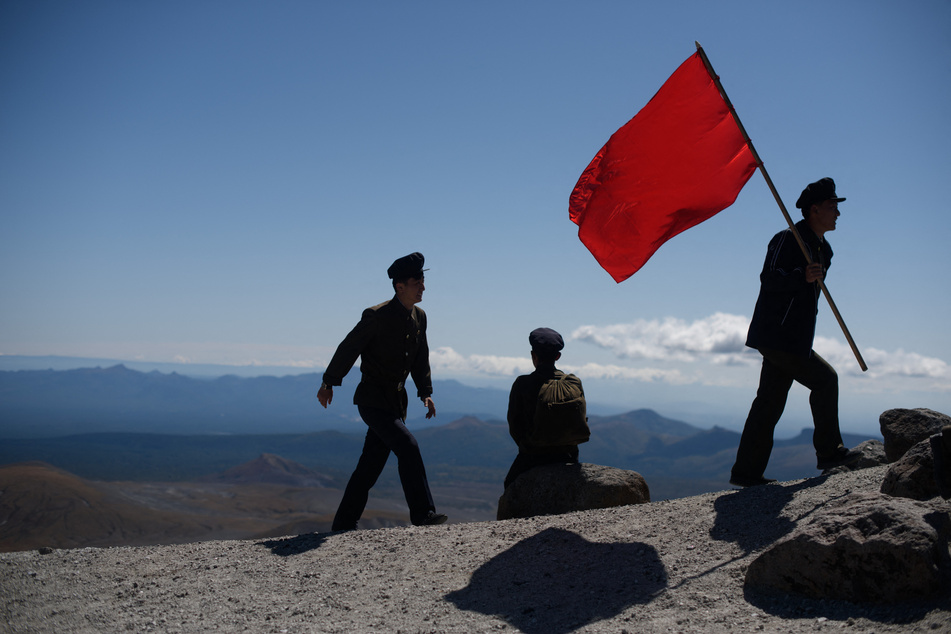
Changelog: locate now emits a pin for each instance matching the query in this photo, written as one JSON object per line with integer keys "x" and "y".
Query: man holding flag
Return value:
{"x": 782, "y": 329}
{"x": 682, "y": 159}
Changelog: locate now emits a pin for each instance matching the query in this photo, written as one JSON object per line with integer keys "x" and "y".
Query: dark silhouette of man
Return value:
{"x": 523, "y": 399}
{"x": 390, "y": 340}
{"x": 782, "y": 330}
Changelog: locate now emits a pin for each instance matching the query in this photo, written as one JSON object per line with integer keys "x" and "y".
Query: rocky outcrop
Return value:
{"x": 564, "y": 488}
{"x": 867, "y": 548}
{"x": 912, "y": 475}
{"x": 902, "y": 429}
{"x": 873, "y": 455}
{"x": 669, "y": 566}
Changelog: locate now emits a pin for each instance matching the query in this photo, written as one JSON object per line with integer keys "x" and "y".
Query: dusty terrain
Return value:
{"x": 674, "y": 566}
{"x": 41, "y": 505}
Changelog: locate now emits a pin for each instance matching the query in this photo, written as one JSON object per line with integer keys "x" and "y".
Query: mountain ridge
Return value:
{"x": 49, "y": 403}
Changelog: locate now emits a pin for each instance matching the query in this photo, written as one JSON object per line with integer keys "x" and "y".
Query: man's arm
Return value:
{"x": 785, "y": 270}
{"x": 421, "y": 372}
{"x": 519, "y": 420}
{"x": 346, "y": 355}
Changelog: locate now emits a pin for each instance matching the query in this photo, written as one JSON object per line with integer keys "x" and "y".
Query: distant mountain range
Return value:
{"x": 15, "y": 362}
{"x": 46, "y": 403}
{"x": 676, "y": 458}
{"x": 163, "y": 457}
{"x": 136, "y": 489}
{"x": 115, "y": 423}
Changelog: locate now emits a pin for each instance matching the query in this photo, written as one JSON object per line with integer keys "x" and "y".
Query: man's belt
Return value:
{"x": 383, "y": 383}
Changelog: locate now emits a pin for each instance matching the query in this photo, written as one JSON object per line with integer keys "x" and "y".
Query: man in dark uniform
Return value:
{"x": 782, "y": 330}
{"x": 546, "y": 349}
{"x": 391, "y": 341}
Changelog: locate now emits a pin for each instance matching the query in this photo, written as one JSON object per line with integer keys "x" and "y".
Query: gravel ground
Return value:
{"x": 671, "y": 566}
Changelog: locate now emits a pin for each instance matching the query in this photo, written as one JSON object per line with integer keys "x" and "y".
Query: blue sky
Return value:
{"x": 226, "y": 182}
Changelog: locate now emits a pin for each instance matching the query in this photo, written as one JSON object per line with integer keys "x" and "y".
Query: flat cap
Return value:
{"x": 407, "y": 266}
{"x": 546, "y": 339}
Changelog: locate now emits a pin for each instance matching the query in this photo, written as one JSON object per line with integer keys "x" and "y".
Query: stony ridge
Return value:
{"x": 672, "y": 566}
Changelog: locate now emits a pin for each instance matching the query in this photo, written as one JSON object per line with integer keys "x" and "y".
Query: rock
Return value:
{"x": 564, "y": 488}
{"x": 868, "y": 548}
{"x": 905, "y": 428}
{"x": 912, "y": 476}
{"x": 873, "y": 455}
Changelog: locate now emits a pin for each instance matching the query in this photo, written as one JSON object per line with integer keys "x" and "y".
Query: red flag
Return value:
{"x": 678, "y": 162}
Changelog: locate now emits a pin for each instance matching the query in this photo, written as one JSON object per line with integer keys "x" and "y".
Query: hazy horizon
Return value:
{"x": 699, "y": 414}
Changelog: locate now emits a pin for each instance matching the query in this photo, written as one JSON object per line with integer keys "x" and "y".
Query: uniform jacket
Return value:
{"x": 785, "y": 314}
{"x": 521, "y": 413}
{"x": 391, "y": 343}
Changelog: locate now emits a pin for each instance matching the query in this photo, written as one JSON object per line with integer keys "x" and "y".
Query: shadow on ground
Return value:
{"x": 288, "y": 546}
{"x": 556, "y": 581}
{"x": 795, "y": 607}
{"x": 752, "y": 531}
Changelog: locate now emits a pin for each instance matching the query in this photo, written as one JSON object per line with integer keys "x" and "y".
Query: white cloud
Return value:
{"x": 447, "y": 360}
{"x": 718, "y": 338}
{"x": 617, "y": 372}
{"x": 929, "y": 373}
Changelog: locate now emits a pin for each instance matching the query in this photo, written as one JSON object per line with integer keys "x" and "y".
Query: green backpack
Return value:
{"x": 560, "y": 413}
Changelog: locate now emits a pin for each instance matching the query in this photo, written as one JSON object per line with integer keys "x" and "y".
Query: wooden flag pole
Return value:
{"x": 782, "y": 207}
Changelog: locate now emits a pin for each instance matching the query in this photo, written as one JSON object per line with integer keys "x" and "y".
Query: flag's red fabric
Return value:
{"x": 678, "y": 162}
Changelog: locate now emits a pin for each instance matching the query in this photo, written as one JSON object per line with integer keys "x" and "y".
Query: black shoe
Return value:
{"x": 432, "y": 519}
{"x": 841, "y": 458}
{"x": 747, "y": 481}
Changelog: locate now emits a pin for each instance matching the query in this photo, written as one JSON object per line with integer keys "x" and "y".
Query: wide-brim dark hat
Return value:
{"x": 815, "y": 193}
{"x": 546, "y": 339}
{"x": 407, "y": 266}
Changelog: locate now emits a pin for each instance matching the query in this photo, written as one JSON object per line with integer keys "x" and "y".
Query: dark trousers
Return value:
{"x": 779, "y": 371}
{"x": 387, "y": 432}
{"x": 525, "y": 462}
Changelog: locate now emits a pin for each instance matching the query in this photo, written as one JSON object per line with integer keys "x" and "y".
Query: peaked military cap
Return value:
{"x": 815, "y": 193}
{"x": 407, "y": 266}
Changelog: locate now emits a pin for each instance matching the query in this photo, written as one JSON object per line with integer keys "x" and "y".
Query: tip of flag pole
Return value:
{"x": 699, "y": 48}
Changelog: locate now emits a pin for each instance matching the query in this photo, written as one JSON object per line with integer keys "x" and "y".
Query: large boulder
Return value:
{"x": 564, "y": 488}
{"x": 912, "y": 476}
{"x": 902, "y": 429}
{"x": 867, "y": 548}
